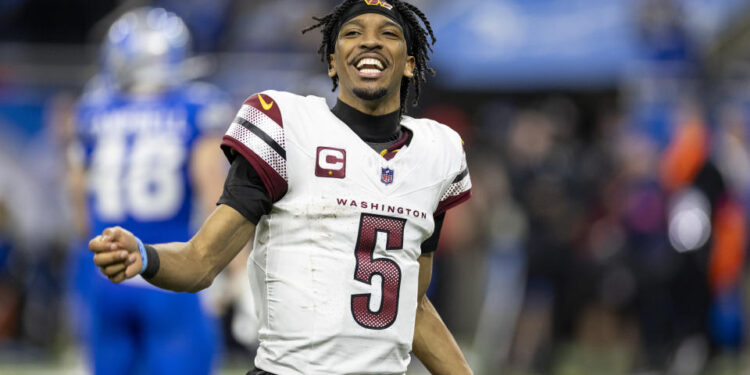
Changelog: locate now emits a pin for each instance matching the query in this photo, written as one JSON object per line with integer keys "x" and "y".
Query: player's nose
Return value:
{"x": 370, "y": 40}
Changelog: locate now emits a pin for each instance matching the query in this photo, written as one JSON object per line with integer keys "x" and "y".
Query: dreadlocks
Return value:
{"x": 419, "y": 46}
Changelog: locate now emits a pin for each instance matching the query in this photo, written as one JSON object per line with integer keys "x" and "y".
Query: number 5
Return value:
{"x": 367, "y": 266}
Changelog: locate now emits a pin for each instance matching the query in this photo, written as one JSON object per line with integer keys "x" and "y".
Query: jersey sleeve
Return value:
{"x": 245, "y": 192}
{"x": 257, "y": 133}
{"x": 459, "y": 189}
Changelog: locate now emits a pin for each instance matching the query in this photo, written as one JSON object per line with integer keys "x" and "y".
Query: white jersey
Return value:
{"x": 334, "y": 265}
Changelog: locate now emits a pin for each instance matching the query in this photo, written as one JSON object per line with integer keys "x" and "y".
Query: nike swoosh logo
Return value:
{"x": 265, "y": 105}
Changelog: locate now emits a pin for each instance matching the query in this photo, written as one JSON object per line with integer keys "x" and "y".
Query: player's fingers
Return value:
{"x": 97, "y": 245}
{"x": 133, "y": 269}
{"x": 120, "y": 237}
{"x": 102, "y": 246}
{"x": 111, "y": 270}
{"x": 111, "y": 233}
{"x": 118, "y": 278}
{"x": 114, "y": 268}
{"x": 104, "y": 259}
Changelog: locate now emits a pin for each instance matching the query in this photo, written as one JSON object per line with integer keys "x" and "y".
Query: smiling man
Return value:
{"x": 344, "y": 207}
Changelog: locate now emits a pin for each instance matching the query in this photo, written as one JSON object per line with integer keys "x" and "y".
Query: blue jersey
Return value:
{"x": 137, "y": 151}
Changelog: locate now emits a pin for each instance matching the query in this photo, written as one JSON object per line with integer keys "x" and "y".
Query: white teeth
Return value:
{"x": 369, "y": 71}
{"x": 370, "y": 61}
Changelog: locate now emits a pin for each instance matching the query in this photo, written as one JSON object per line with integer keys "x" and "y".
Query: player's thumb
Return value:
{"x": 112, "y": 233}
{"x": 122, "y": 237}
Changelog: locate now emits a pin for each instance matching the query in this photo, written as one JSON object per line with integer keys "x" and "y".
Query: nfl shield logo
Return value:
{"x": 386, "y": 175}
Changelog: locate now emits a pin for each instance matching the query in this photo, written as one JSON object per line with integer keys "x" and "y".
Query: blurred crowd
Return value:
{"x": 606, "y": 233}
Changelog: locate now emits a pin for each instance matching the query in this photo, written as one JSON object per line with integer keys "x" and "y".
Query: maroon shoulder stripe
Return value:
{"x": 267, "y": 105}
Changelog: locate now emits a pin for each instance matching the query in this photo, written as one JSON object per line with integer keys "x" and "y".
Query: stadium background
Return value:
{"x": 563, "y": 260}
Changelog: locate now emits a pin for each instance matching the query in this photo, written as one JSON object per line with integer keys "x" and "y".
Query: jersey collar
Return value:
{"x": 383, "y": 128}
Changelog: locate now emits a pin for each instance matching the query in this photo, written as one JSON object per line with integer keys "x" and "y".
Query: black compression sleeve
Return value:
{"x": 430, "y": 244}
{"x": 244, "y": 191}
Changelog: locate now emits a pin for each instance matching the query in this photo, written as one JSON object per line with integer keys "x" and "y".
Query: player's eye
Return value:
{"x": 351, "y": 33}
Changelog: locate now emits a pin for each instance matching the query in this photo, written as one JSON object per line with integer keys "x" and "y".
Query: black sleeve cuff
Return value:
{"x": 431, "y": 244}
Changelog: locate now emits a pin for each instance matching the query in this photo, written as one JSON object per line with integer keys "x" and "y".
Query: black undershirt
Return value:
{"x": 244, "y": 190}
{"x": 372, "y": 129}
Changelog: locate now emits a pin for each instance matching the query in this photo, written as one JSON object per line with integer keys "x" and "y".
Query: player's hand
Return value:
{"x": 116, "y": 253}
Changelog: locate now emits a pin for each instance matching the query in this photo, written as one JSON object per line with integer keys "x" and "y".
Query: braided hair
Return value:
{"x": 419, "y": 48}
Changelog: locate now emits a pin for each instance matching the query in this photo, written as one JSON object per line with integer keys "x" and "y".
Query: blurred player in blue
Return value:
{"x": 150, "y": 158}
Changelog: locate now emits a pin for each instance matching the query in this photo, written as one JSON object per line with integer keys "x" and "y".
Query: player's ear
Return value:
{"x": 331, "y": 66}
{"x": 411, "y": 63}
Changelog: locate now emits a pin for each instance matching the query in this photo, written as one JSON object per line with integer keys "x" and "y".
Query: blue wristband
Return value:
{"x": 144, "y": 257}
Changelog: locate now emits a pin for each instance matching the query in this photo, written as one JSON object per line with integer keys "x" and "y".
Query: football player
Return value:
{"x": 344, "y": 206}
{"x": 149, "y": 154}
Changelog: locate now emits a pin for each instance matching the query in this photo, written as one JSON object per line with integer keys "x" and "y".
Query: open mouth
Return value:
{"x": 369, "y": 67}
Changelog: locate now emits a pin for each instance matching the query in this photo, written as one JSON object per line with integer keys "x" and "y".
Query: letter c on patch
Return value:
{"x": 330, "y": 163}
{"x": 331, "y": 159}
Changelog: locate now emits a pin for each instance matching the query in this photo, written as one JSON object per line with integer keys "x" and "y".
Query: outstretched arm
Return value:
{"x": 433, "y": 343}
{"x": 184, "y": 266}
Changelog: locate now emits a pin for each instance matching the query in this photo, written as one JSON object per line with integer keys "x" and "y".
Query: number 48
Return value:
{"x": 145, "y": 182}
